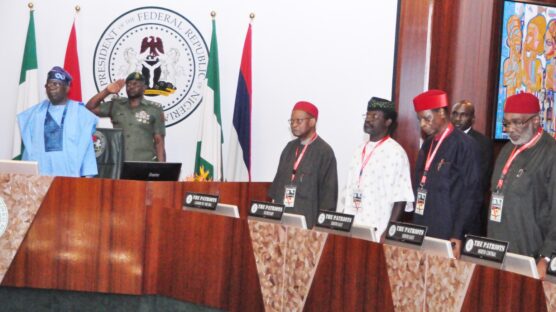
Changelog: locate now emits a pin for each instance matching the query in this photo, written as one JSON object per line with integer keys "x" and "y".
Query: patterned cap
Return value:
{"x": 135, "y": 76}
{"x": 58, "y": 73}
{"x": 381, "y": 104}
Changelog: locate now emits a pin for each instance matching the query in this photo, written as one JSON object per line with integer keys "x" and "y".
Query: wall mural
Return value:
{"x": 528, "y": 59}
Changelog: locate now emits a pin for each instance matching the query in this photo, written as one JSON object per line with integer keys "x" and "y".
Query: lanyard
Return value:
{"x": 300, "y": 156}
{"x": 513, "y": 155}
{"x": 430, "y": 157}
{"x": 365, "y": 160}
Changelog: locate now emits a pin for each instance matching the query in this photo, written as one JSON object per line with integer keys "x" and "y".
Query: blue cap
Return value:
{"x": 58, "y": 73}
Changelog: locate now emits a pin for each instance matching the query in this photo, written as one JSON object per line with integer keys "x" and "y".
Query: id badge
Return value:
{"x": 420, "y": 203}
{"x": 289, "y": 196}
{"x": 496, "y": 203}
{"x": 357, "y": 198}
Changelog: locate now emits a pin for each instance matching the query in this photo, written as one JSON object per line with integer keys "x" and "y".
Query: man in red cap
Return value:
{"x": 523, "y": 185}
{"x": 306, "y": 180}
{"x": 448, "y": 193}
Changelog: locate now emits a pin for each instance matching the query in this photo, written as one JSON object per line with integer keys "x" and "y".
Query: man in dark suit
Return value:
{"x": 463, "y": 117}
{"x": 447, "y": 184}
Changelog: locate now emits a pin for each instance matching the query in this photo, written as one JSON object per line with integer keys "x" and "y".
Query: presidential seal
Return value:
{"x": 166, "y": 48}
{"x": 99, "y": 143}
{"x": 3, "y": 216}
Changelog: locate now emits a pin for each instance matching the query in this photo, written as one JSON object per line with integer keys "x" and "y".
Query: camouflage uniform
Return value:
{"x": 139, "y": 126}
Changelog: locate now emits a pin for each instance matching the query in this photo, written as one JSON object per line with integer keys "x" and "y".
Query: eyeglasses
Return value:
{"x": 517, "y": 123}
{"x": 298, "y": 121}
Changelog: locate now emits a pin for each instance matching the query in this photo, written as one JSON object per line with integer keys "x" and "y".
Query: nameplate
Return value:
{"x": 334, "y": 221}
{"x": 406, "y": 233}
{"x": 266, "y": 210}
{"x": 484, "y": 248}
{"x": 200, "y": 201}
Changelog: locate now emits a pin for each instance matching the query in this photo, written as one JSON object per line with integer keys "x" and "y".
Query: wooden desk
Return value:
{"x": 132, "y": 237}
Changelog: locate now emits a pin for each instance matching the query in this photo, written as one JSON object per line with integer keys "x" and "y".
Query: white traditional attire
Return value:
{"x": 384, "y": 181}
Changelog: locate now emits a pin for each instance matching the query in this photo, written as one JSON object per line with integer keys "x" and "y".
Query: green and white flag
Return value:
{"x": 28, "y": 91}
{"x": 208, "y": 158}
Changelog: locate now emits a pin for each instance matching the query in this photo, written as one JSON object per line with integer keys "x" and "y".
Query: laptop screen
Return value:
{"x": 150, "y": 171}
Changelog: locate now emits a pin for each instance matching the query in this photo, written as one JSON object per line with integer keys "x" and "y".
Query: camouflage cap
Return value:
{"x": 382, "y": 104}
{"x": 135, "y": 76}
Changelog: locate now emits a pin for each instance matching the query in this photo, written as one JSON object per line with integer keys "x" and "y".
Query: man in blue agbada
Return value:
{"x": 58, "y": 132}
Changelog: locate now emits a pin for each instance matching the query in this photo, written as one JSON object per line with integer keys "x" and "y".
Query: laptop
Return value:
{"x": 19, "y": 167}
{"x": 150, "y": 171}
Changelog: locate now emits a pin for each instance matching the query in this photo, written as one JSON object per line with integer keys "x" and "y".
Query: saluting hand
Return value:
{"x": 116, "y": 86}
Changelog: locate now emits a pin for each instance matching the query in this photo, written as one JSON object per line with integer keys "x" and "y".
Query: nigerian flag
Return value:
{"x": 208, "y": 158}
{"x": 28, "y": 91}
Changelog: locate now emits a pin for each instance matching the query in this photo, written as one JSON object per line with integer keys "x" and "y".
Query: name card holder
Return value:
{"x": 206, "y": 203}
{"x": 334, "y": 221}
{"x": 274, "y": 213}
{"x": 438, "y": 247}
{"x": 520, "y": 264}
{"x": 484, "y": 251}
{"x": 292, "y": 219}
{"x": 266, "y": 212}
{"x": 342, "y": 224}
{"x": 405, "y": 235}
{"x": 363, "y": 232}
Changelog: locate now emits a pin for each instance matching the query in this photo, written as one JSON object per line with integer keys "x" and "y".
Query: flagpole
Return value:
{"x": 239, "y": 157}
{"x": 71, "y": 60}
{"x": 28, "y": 89}
{"x": 208, "y": 156}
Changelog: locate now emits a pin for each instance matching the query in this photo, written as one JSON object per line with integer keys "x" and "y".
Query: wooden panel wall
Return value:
{"x": 463, "y": 61}
{"x": 411, "y": 62}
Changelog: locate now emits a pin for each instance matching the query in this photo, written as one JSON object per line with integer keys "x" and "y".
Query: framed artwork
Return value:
{"x": 527, "y": 59}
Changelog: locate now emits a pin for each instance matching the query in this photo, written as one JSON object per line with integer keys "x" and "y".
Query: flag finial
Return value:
{"x": 31, "y": 6}
{"x": 77, "y": 8}
{"x": 213, "y": 14}
{"x": 252, "y": 15}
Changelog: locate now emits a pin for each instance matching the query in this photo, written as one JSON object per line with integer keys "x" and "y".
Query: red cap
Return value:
{"x": 522, "y": 103}
{"x": 307, "y": 107}
{"x": 431, "y": 99}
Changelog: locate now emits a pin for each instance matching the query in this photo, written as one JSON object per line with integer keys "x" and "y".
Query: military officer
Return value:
{"x": 142, "y": 121}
